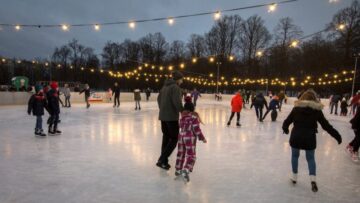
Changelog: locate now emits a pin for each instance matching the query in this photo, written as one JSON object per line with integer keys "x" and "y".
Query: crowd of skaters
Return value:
{"x": 180, "y": 123}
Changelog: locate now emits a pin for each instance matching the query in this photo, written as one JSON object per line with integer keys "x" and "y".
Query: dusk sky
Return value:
{"x": 28, "y": 43}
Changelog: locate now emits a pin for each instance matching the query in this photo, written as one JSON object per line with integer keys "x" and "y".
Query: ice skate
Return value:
{"x": 228, "y": 124}
{"x": 57, "y": 132}
{"x": 185, "y": 176}
{"x": 293, "y": 178}
{"x": 238, "y": 124}
{"x": 314, "y": 187}
{"x": 163, "y": 166}
{"x": 355, "y": 157}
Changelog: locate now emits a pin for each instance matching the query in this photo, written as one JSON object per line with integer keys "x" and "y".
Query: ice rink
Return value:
{"x": 109, "y": 155}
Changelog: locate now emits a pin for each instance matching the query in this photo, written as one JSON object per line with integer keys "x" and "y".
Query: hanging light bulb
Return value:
{"x": 194, "y": 60}
{"x": 217, "y": 15}
{"x": 171, "y": 21}
{"x": 272, "y": 8}
{"x": 97, "y": 27}
{"x": 294, "y": 44}
{"x": 341, "y": 26}
{"x": 182, "y": 65}
{"x": 132, "y": 25}
{"x": 231, "y": 58}
{"x": 259, "y": 53}
{"x": 65, "y": 27}
{"x": 211, "y": 59}
{"x": 17, "y": 27}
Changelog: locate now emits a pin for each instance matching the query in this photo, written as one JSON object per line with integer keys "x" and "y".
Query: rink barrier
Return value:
{"x": 22, "y": 98}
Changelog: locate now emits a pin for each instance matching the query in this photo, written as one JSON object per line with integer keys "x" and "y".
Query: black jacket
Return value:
{"x": 355, "y": 122}
{"x": 260, "y": 101}
{"x": 305, "y": 116}
{"x": 36, "y": 104}
{"x": 53, "y": 101}
{"x": 87, "y": 92}
{"x": 116, "y": 91}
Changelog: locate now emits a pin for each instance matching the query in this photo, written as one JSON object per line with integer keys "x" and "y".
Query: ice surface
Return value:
{"x": 109, "y": 155}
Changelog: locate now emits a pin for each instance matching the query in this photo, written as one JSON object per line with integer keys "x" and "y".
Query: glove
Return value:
{"x": 286, "y": 131}
{"x": 339, "y": 140}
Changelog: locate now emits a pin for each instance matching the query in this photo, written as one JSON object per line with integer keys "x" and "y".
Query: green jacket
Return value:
{"x": 169, "y": 101}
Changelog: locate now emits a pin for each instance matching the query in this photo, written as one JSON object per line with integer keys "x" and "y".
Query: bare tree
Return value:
{"x": 62, "y": 55}
{"x": 196, "y": 45}
{"x": 177, "y": 51}
{"x": 111, "y": 55}
{"x": 131, "y": 51}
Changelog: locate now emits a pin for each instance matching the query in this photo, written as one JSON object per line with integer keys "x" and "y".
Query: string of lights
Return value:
{"x": 132, "y": 23}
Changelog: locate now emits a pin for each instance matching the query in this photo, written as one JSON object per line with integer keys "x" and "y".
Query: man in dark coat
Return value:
{"x": 335, "y": 103}
{"x": 116, "y": 92}
{"x": 54, "y": 108}
{"x": 306, "y": 113}
{"x": 170, "y": 105}
{"x": 259, "y": 103}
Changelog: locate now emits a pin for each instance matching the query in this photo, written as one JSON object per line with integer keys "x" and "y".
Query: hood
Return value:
{"x": 307, "y": 103}
{"x": 169, "y": 82}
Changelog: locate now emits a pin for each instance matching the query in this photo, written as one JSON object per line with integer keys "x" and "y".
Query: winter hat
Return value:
{"x": 309, "y": 95}
{"x": 54, "y": 85}
{"x": 38, "y": 88}
{"x": 189, "y": 106}
{"x": 177, "y": 75}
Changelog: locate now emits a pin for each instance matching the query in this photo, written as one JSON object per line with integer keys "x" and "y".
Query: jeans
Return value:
{"x": 333, "y": 104}
{"x": 355, "y": 143}
{"x": 67, "y": 101}
{"x": 38, "y": 122}
{"x": 170, "y": 130}
{"x": 310, "y": 158}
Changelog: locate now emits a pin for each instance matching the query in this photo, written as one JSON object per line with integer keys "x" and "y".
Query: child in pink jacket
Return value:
{"x": 189, "y": 132}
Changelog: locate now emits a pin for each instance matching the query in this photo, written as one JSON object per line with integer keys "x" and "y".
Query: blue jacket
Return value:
{"x": 274, "y": 104}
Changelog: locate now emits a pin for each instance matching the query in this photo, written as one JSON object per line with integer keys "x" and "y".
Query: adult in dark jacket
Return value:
{"x": 281, "y": 99}
{"x": 306, "y": 113}
{"x": 116, "y": 92}
{"x": 353, "y": 146}
{"x": 170, "y": 105}
{"x": 259, "y": 102}
{"x": 87, "y": 95}
{"x": 195, "y": 95}
{"x": 54, "y": 108}
{"x": 273, "y": 105}
{"x": 36, "y": 105}
{"x": 148, "y": 93}
{"x": 335, "y": 103}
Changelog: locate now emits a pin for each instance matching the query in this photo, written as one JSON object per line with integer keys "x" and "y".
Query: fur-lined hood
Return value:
{"x": 307, "y": 103}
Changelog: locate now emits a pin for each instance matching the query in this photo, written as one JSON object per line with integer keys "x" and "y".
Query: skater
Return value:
{"x": 110, "y": 94}
{"x": 170, "y": 105}
{"x": 259, "y": 102}
{"x": 116, "y": 92}
{"x": 273, "y": 105}
{"x": 281, "y": 99}
{"x": 353, "y": 147}
{"x": 137, "y": 98}
{"x": 195, "y": 95}
{"x": 148, "y": 93}
{"x": 236, "y": 106}
{"x": 36, "y": 105}
{"x": 189, "y": 132}
{"x": 87, "y": 95}
{"x": 53, "y": 108}
{"x": 306, "y": 113}
{"x": 67, "y": 95}
{"x": 355, "y": 102}
{"x": 343, "y": 107}
{"x": 247, "y": 97}
{"x": 334, "y": 102}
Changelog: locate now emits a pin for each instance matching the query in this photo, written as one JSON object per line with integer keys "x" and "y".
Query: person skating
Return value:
{"x": 281, "y": 99}
{"x": 195, "y": 95}
{"x": 116, "y": 92}
{"x": 189, "y": 132}
{"x": 355, "y": 102}
{"x": 53, "y": 108}
{"x": 67, "y": 95}
{"x": 37, "y": 103}
{"x": 236, "y": 106}
{"x": 335, "y": 103}
{"x": 137, "y": 98}
{"x": 148, "y": 93}
{"x": 273, "y": 105}
{"x": 170, "y": 105}
{"x": 343, "y": 107}
{"x": 248, "y": 93}
{"x": 353, "y": 147}
{"x": 259, "y": 102}
{"x": 86, "y": 90}
{"x": 306, "y": 113}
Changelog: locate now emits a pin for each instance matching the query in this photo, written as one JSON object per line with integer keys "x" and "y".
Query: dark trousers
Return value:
{"x": 87, "y": 101}
{"x": 266, "y": 113}
{"x": 237, "y": 116}
{"x": 117, "y": 100}
{"x": 67, "y": 101}
{"x": 170, "y": 130}
{"x": 54, "y": 120}
{"x": 195, "y": 99}
{"x": 280, "y": 104}
{"x": 61, "y": 102}
{"x": 333, "y": 104}
{"x": 355, "y": 143}
{"x": 259, "y": 111}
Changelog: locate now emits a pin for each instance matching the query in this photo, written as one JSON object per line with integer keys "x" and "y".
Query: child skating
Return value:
{"x": 37, "y": 103}
{"x": 236, "y": 106}
{"x": 54, "y": 108}
{"x": 306, "y": 113}
{"x": 137, "y": 98}
{"x": 189, "y": 132}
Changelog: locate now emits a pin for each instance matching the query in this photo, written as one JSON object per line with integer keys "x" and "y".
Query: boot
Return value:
{"x": 41, "y": 132}
{"x": 185, "y": 175}
{"x": 37, "y": 131}
{"x": 293, "y": 178}
{"x": 51, "y": 130}
{"x": 228, "y": 123}
{"x": 314, "y": 186}
{"x": 238, "y": 124}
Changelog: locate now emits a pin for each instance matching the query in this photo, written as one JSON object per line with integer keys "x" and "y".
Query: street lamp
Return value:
{"x": 217, "y": 77}
{"x": 356, "y": 55}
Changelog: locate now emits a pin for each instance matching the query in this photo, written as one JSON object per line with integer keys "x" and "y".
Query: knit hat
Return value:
{"x": 189, "y": 106}
{"x": 177, "y": 75}
{"x": 54, "y": 85}
{"x": 38, "y": 88}
{"x": 309, "y": 95}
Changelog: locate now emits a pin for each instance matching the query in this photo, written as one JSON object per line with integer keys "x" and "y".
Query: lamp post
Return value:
{"x": 354, "y": 77}
{"x": 217, "y": 77}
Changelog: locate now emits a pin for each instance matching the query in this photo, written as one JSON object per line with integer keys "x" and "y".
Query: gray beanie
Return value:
{"x": 177, "y": 75}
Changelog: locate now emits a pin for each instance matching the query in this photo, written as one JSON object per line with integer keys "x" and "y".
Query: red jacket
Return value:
{"x": 236, "y": 103}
